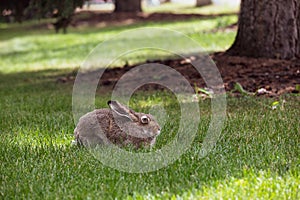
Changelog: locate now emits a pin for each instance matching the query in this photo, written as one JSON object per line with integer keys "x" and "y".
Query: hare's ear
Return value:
{"x": 121, "y": 110}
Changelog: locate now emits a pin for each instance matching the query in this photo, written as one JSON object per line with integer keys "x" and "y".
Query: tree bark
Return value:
{"x": 268, "y": 28}
{"x": 200, "y": 3}
{"x": 128, "y": 6}
{"x": 18, "y": 8}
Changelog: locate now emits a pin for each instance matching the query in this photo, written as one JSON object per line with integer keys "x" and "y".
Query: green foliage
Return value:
{"x": 297, "y": 87}
{"x": 28, "y": 9}
{"x": 59, "y": 8}
{"x": 239, "y": 88}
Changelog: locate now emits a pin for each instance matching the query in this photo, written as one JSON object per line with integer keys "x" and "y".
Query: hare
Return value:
{"x": 118, "y": 125}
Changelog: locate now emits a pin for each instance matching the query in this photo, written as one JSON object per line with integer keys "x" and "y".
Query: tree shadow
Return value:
{"x": 31, "y": 81}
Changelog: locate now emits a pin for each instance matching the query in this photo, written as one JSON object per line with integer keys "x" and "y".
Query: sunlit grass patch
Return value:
{"x": 32, "y": 51}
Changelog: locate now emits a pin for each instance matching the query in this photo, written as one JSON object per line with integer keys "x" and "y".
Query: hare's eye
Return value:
{"x": 144, "y": 119}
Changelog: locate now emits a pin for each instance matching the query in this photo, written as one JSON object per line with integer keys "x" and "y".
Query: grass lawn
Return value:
{"x": 256, "y": 157}
{"x": 23, "y": 48}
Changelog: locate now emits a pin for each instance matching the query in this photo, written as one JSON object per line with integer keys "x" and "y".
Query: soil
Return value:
{"x": 273, "y": 77}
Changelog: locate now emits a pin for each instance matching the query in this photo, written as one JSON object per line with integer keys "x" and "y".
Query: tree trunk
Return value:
{"x": 128, "y": 6}
{"x": 200, "y": 3}
{"x": 19, "y": 8}
{"x": 268, "y": 28}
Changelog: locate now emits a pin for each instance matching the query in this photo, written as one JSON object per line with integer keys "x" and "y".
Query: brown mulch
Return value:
{"x": 275, "y": 77}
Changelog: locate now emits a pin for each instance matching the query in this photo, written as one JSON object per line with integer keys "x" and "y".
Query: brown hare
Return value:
{"x": 117, "y": 125}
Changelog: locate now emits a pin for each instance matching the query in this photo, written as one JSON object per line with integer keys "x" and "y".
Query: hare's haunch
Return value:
{"x": 117, "y": 125}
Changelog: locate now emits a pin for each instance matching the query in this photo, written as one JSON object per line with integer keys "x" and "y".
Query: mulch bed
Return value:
{"x": 275, "y": 77}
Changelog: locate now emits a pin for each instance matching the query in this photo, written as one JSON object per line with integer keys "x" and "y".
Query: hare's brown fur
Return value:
{"x": 118, "y": 125}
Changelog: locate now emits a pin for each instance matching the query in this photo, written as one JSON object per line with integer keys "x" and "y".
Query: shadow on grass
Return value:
{"x": 33, "y": 81}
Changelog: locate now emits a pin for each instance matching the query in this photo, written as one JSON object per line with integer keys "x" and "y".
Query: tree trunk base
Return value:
{"x": 268, "y": 28}
{"x": 201, "y": 3}
{"x": 128, "y": 6}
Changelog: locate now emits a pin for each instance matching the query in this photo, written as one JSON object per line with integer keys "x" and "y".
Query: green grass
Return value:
{"x": 256, "y": 157}
{"x": 32, "y": 49}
